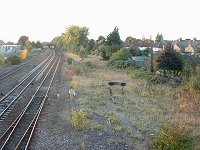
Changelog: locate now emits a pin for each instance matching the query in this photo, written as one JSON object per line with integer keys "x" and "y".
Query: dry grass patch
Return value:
{"x": 143, "y": 108}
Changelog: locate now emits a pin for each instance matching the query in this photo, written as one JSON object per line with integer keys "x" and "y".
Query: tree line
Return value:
{"x": 111, "y": 48}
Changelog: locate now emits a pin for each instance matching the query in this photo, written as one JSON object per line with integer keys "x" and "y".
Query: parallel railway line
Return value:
{"x": 19, "y": 133}
{"x": 18, "y": 68}
{"x": 8, "y": 100}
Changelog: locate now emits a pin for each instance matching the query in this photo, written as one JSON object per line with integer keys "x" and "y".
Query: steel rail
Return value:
{"x": 24, "y": 112}
{"x": 26, "y": 77}
{"x": 35, "y": 120}
{"x": 9, "y": 103}
{"x": 12, "y": 71}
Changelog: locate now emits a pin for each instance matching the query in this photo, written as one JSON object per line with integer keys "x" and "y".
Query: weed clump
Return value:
{"x": 112, "y": 118}
{"x": 13, "y": 60}
{"x": 172, "y": 137}
{"x": 79, "y": 119}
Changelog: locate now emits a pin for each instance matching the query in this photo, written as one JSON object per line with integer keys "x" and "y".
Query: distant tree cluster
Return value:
{"x": 26, "y": 44}
{"x": 75, "y": 38}
{"x": 159, "y": 38}
{"x": 57, "y": 42}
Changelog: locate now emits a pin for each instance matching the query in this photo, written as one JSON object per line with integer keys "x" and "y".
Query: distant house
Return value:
{"x": 158, "y": 47}
{"x": 187, "y": 46}
{"x": 142, "y": 48}
{"x": 1, "y": 43}
{"x": 8, "y": 49}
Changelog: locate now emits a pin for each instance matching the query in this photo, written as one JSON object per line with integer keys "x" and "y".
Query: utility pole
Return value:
{"x": 151, "y": 65}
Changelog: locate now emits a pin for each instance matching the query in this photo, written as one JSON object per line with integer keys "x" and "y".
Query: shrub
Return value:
{"x": 2, "y": 60}
{"x": 122, "y": 64}
{"x": 70, "y": 60}
{"x": 120, "y": 59}
{"x": 13, "y": 59}
{"x": 79, "y": 119}
{"x": 112, "y": 118}
{"x": 195, "y": 82}
{"x": 105, "y": 51}
{"x": 172, "y": 137}
{"x": 83, "y": 52}
{"x": 141, "y": 74}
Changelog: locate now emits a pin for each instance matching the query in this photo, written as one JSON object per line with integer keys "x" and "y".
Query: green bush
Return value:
{"x": 120, "y": 59}
{"x": 70, "y": 60}
{"x": 13, "y": 59}
{"x": 141, "y": 74}
{"x": 79, "y": 119}
{"x": 2, "y": 60}
{"x": 122, "y": 64}
{"x": 172, "y": 137}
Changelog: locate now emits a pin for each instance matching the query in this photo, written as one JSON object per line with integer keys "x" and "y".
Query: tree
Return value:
{"x": 169, "y": 59}
{"x": 105, "y": 51}
{"x": 113, "y": 38}
{"x": 101, "y": 39}
{"x": 38, "y": 44}
{"x": 28, "y": 45}
{"x": 22, "y": 40}
{"x": 112, "y": 44}
{"x": 57, "y": 42}
{"x": 159, "y": 37}
{"x": 75, "y": 36}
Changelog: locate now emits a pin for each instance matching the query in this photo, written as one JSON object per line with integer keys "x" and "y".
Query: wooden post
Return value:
{"x": 151, "y": 67}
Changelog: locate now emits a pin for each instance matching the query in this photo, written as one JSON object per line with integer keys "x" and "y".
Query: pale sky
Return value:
{"x": 45, "y": 19}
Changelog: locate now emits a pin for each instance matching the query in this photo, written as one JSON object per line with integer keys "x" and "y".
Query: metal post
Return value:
{"x": 151, "y": 66}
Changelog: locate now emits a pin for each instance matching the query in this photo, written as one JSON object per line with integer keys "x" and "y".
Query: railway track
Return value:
{"x": 12, "y": 96}
{"x": 18, "y": 68}
{"x": 19, "y": 133}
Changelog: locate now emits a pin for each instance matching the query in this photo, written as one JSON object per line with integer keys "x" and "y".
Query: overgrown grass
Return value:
{"x": 144, "y": 106}
{"x": 195, "y": 82}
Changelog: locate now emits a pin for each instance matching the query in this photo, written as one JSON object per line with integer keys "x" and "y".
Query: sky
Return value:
{"x": 45, "y": 19}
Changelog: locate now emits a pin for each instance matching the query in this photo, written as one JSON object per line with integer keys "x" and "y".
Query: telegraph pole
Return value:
{"x": 151, "y": 65}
